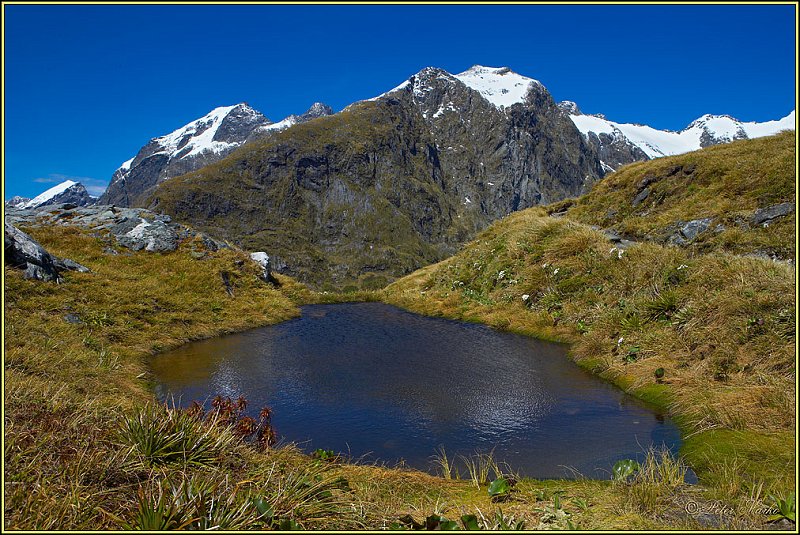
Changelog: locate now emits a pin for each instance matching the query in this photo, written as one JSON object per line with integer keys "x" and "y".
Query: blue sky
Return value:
{"x": 86, "y": 86}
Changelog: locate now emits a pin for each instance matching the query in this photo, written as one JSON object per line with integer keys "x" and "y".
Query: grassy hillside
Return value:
{"x": 709, "y": 336}
{"x": 87, "y": 448}
{"x": 726, "y": 183}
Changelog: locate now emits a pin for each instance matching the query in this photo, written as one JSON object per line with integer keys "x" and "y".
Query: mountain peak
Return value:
{"x": 499, "y": 85}
{"x": 570, "y": 107}
{"x": 66, "y": 191}
{"x": 318, "y": 109}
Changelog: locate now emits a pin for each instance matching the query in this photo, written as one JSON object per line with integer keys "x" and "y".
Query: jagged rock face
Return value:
{"x": 191, "y": 147}
{"x": 195, "y": 145}
{"x": 497, "y": 160}
{"x": 386, "y": 186}
{"x": 614, "y": 150}
{"x": 318, "y": 109}
{"x": 354, "y": 195}
{"x": 23, "y": 252}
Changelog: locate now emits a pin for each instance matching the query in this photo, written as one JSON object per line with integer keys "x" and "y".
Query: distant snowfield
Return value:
{"x": 656, "y": 143}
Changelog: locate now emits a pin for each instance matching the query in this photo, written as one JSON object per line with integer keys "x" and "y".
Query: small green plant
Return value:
{"x": 155, "y": 514}
{"x": 786, "y": 508}
{"x": 624, "y": 469}
{"x": 581, "y": 504}
{"x": 659, "y": 373}
{"x": 157, "y": 435}
{"x": 470, "y": 522}
{"x": 324, "y": 455}
{"x": 443, "y": 462}
{"x": 500, "y": 488}
{"x": 506, "y": 523}
{"x": 480, "y": 466}
{"x": 633, "y": 354}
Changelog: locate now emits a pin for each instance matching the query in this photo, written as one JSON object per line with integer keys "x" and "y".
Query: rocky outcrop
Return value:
{"x": 137, "y": 229}
{"x": 23, "y": 252}
{"x": 262, "y": 259}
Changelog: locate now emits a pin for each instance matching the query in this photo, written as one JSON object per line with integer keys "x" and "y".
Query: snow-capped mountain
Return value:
{"x": 500, "y": 86}
{"x": 411, "y": 173}
{"x": 65, "y": 192}
{"x": 619, "y": 141}
{"x": 194, "y": 145}
{"x": 16, "y": 200}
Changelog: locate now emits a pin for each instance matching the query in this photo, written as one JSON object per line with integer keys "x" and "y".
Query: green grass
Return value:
{"x": 726, "y": 182}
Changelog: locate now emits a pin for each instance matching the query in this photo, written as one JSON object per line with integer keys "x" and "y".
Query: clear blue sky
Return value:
{"x": 86, "y": 86}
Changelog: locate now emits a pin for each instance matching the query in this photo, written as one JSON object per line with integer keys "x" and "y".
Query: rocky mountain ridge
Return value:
{"x": 195, "y": 145}
{"x": 618, "y": 144}
{"x": 396, "y": 181}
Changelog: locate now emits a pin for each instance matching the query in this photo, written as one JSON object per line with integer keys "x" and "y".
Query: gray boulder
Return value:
{"x": 153, "y": 236}
{"x": 616, "y": 239}
{"x": 23, "y": 252}
{"x": 763, "y": 216}
{"x": 641, "y": 196}
{"x": 689, "y": 230}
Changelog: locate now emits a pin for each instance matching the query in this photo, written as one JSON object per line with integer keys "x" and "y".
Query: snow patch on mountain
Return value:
{"x": 499, "y": 85}
{"x": 42, "y": 198}
{"x": 198, "y": 136}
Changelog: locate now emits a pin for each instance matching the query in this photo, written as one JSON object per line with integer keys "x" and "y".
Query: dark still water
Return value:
{"x": 378, "y": 383}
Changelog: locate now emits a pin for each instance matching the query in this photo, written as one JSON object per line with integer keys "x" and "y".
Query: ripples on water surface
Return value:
{"x": 369, "y": 379}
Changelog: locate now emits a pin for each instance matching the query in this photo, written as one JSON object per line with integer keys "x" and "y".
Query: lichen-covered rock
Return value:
{"x": 687, "y": 231}
{"x": 23, "y": 252}
{"x": 641, "y": 197}
{"x": 765, "y": 215}
{"x": 134, "y": 228}
{"x": 154, "y": 236}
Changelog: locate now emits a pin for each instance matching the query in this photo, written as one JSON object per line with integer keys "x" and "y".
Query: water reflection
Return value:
{"x": 371, "y": 379}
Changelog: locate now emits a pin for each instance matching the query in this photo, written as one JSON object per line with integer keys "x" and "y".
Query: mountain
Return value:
{"x": 194, "y": 145}
{"x": 402, "y": 179}
{"x": 16, "y": 201}
{"x": 621, "y": 143}
{"x": 393, "y": 182}
{"x": 65, "y": 192}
